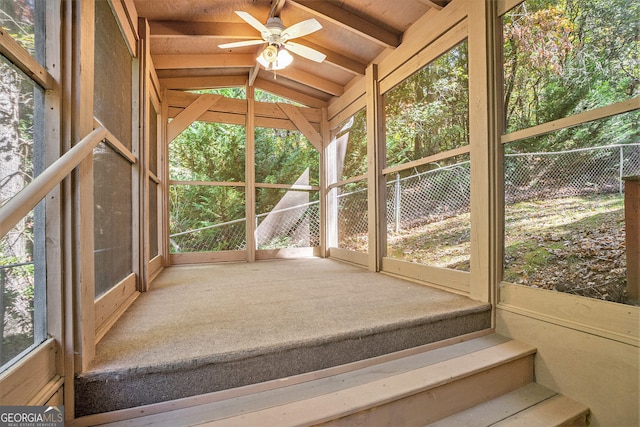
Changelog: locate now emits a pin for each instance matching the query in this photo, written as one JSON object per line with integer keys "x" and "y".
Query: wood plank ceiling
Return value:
{"x": 185, "y": 36}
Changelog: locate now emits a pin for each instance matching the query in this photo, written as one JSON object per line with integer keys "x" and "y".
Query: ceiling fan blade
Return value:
{"x": 240, "y": 44}
{"x": 301, "y": 29}
{"x": 305, "y": 51}
{"x": 252, "y": 21}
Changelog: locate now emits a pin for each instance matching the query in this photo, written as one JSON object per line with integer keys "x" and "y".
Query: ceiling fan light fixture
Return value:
{"x": 274, "y": 58}
{"x": 284, "y": 58}
{"x": 270, "y": 53}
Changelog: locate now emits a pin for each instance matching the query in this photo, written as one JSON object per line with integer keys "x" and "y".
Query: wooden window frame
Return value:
{"x": 38, "y": 376}
{"x": 612, "y": 321}
{"x": 108, "y": 308}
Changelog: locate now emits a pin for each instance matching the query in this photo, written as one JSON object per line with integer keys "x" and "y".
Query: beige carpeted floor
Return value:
{"x": 194, "y": 312}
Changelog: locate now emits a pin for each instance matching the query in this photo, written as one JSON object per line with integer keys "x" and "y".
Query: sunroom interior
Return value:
{"x": 196, "y": 233}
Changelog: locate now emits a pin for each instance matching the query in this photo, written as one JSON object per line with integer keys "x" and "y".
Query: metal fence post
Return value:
{"x": 621, "y": 169}
{"x": 397, "y": 200}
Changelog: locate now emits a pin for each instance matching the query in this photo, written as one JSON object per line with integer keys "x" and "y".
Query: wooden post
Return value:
{"x": 632, "y": 226}
{"x": 484, "y": 131}
{"x": 375, "y": 163}
{"x": 327, "y": 163}
{"x": 250, "y": 175}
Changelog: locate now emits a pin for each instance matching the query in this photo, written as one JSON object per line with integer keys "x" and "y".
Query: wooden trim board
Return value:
{"x": 352, "y": 257}
{"x": 609, "y": 320}
{"x": 575, "y": 120}
{"x": 444, "y": 277}
{"x": 263, "y": 254}
{"x": 205, "y": 257}
{"x": 426, "y": 160}
{"x": 110, "y": 306}
{"x": 23, "y": 381}
{"x": 19, "y": 57}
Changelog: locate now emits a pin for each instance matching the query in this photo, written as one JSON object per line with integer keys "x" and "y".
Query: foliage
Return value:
{"x": 562, "y": 57}
{"x": 428, "y": 112}
{"x": 263, "y": 96}
{"x": 282, "y": 156}
{"x": 18, "y": 98}
{"x": 17, "y": 17}
{"x": 227, "y": 92}
{"x": 355, "y": 130}
{"x": 215, "y": 152}
{"x": 208, "y": 152}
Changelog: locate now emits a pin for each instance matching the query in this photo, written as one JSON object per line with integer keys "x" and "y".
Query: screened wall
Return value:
{"x": 287, "y": 198}
{"x": 23, "y": 150}
{"x": 236, "y": 192}
{"x": 207, "y": 194}
{"x": 348, "y": 188}
{"x": 564, "y": 184}
{"x": 428, "y": 168}
{"x": 113, "y": 200}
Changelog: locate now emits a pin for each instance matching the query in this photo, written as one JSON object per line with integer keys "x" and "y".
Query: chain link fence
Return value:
{"x": 353, "y": 218}
{"x": 428, "y": 197}
{"x": 564, "y": 226}
{"x": 294, "y": 227}
{"x": 226, "y": 236}
{"x": 597, "y": 170}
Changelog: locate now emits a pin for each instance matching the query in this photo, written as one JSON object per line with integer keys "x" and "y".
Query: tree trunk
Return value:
{"x": 12, "y": 176}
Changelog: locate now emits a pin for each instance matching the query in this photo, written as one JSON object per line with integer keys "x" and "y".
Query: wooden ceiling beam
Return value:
{"x": 226, "y": 30}
{"x": 295, "y": 95}
{"x": 298, "y": 119}
{"x": 187, "y": 116}
{"x": 253, "y": 74}
{"x": 333, "y": 58}
{"x": 436, "y": 4}
{"x": 349, "y": 21}
{"x": 343, "y": 62}
{"x": 198, "y": 61}
{"x": 180, "y": 100}
{"x": 201, "y": 60}
{"x": 205, "y": 82}
{"x": 311, "y": 80}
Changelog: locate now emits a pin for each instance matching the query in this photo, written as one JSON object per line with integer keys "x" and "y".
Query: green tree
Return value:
{"x": 428, "y": 112}
{"x": 563, "y": 57}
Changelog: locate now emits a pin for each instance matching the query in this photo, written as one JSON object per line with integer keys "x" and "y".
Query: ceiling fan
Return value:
{"x": 277, "y": 36}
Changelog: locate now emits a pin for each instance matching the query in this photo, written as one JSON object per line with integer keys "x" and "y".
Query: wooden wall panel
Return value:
{"x": 25, "y": 380}
{"x": 598, "y": 372}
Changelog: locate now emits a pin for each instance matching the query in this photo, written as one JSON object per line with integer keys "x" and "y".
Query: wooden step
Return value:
{"x": 137, "y": 381}
{"x": 531, "y": 405}
{"x": 557, "y": 411}
{"x": 410, "y": 391}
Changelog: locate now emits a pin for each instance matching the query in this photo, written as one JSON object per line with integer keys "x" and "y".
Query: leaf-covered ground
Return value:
{"x": 574, "y": 245}
{"x": 442, "y": 243}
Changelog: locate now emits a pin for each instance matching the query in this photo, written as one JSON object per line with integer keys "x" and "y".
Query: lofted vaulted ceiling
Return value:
{"x": 185, "y": 35}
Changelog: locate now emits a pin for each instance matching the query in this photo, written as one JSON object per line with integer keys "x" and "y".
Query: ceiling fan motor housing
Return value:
{"x": 275, "y": 27}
